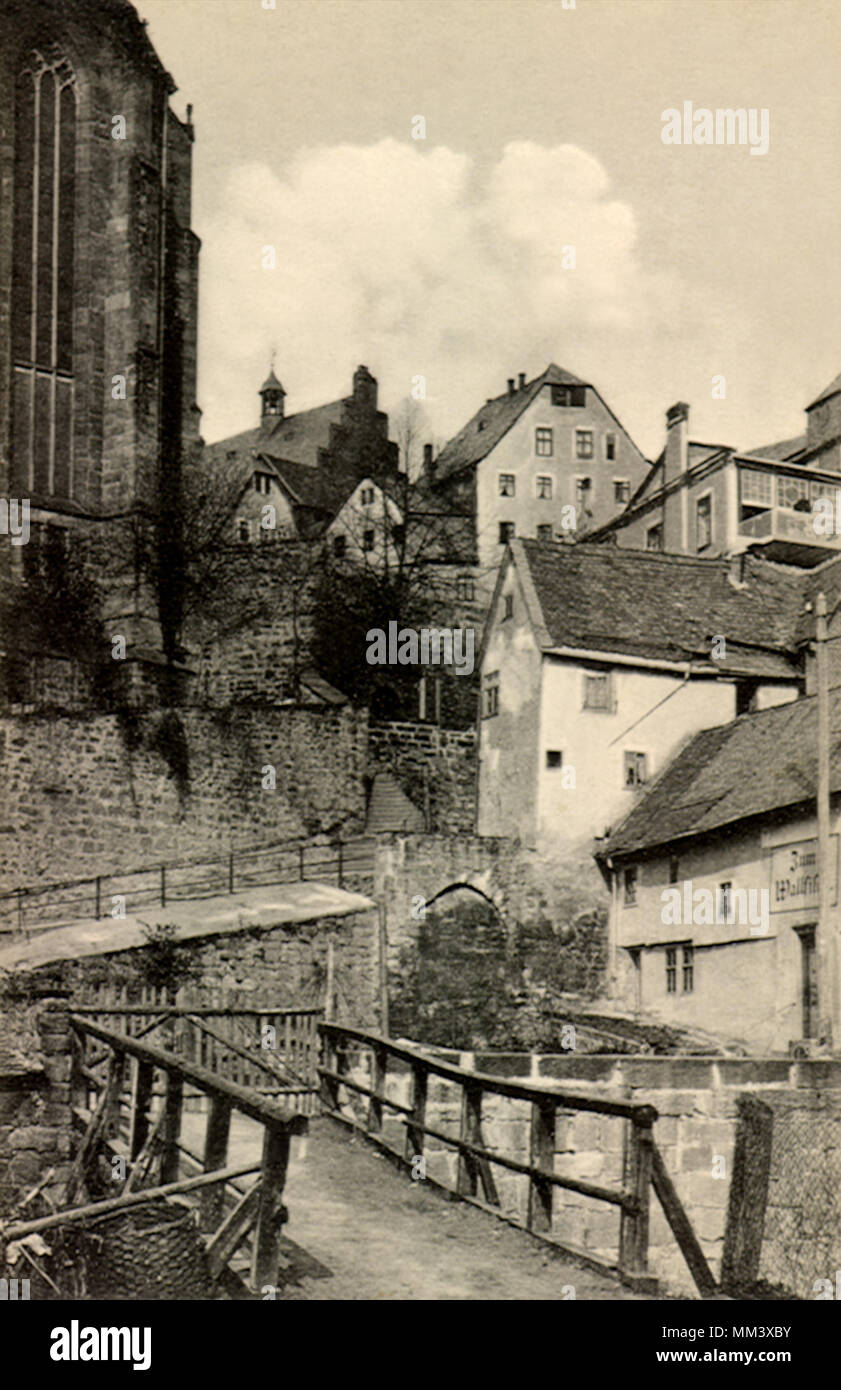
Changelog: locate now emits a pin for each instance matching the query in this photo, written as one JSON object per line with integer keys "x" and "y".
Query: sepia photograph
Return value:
{"x": 420, "y": 614}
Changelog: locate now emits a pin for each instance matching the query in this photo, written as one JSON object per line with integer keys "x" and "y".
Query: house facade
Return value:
{"x": 708, "y": 499}
{"x": 598, "y": 663}
{"x": 715, "y": 883}
{"x": 547, "y": 460}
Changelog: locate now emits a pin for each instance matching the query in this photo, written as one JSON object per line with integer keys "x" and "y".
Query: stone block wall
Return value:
{"x": 436, "y": 768}
{"x": 35, "y": 1124}
{"x": 87, "y": 796}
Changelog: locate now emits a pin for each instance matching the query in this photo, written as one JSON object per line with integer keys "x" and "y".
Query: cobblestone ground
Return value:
{"x": 363, "y": 1230}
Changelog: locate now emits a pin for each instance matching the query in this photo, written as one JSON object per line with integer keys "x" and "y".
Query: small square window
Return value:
{"x": 630, "y": 884}
{"x": 368, "y": 539}
{"x": 654, "y": 538}
{"x": 507, "y": 606}
{"x": 636, "y": 770}
{"x": 490, "y": 695}
{"x": 621, "y": 490}
{"x": 543, "y": 442}
{"x": 339, "y": 547}
{"x": 244, "y": 529}
{"x": 583, "y": 444}
{"x": 544, "y": 531}
{"x": 367, "y": 496}
{"x": 597, "y": 690}
{"x": 610, "y": 446}
{"x": 506, "y": 484}
{"x": 544, "y": 487}
{"x": 506, "y": 531}
{"x": 554, "y": 757}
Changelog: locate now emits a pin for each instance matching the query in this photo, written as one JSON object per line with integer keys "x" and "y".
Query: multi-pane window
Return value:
{"x": 506, "y": 484}
{"x": 654, "y": 538}
{"x": 569, "y": 395}
{"x": 490, "y": 695}
{"x": 583, "y": 493}
{"x": 610, "y": 446}
{"x": 597, "y": 690}
{"x": 704, "y": 521}
{"x": 263, "y": 483}
{"x": 367, "y": 496}
{"x": 688, "y": 969}
{"x": 636, "y": 769}
{"x": 621, "y": 490}
{"x": 544, "y": 486}
{"x": 583, "y": 444}
{"x": 42, "y": 278}
{"x": 465, "y": 589}
{"x": 543, "y": 442}
{"x": 671, "y": 969}
{"x": 506, "y": 531}
{"x": 630, "y": 885}
{"x": 544, "y": 531}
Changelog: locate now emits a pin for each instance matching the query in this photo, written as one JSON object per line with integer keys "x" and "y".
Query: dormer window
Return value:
{"x": 263, "y": 483}
{"x": 569, "y": 395}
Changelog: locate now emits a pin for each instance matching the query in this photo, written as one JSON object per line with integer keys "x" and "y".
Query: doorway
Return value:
{"x": 809, "y": 980}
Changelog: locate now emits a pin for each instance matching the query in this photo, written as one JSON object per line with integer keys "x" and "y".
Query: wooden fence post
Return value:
{"x": 215, "y": 1153}
{"x": 173, "y": 1101}
{"x": 417, "y": 1120}
{"x": 141, "y": 1096}
{"x": 270, "y": 1205}
{"x": 633, "y": 1226}
{"x": 379, "y": 1061}
{"x": 542, "y": 1156}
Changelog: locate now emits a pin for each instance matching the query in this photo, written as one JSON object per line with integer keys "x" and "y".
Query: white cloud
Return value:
{"x": 418, "y": 262}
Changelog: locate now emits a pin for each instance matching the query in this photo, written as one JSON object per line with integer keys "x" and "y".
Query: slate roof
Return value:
{"x": 485, "y": 429}
{"x": 755, "y": 765}
{"x": 831, "y": 390}
{"x": 783, "y": 449}
{"x": 297, "y": 438}
{"x": 668, "y": 607}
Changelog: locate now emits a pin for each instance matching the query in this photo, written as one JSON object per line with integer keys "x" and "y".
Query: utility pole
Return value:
{"x": 826, "y": 943}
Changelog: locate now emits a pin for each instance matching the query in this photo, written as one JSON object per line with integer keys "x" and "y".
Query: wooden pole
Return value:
{"x": 383, "y": 962}
{"x": 331, "y": 980}
{"x": 827, "y": 982}
{"x": 270, "y": 1206}
{"x": 215, "y": 1153}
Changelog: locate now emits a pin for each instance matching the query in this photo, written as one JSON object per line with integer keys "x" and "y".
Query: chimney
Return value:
{"x": 364, "y": 389}
{"x": 522, "y": 385}
{"x": 428, "y": 462}
{"x": 677, "y": 441}
{"x": 511, "y": 386}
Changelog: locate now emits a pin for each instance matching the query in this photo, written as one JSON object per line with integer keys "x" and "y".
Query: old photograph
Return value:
{"x": 420, "y": 614}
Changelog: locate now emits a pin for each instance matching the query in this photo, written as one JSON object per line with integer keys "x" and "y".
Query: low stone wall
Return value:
{"x": 697, "y": 1104}
{"x": 35, "y": 1124}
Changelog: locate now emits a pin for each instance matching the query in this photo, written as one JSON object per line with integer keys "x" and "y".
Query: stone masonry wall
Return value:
{"x": 35, "y": 1123}
{"x": 86, "y": 796}
{"x": 436, "y": 768}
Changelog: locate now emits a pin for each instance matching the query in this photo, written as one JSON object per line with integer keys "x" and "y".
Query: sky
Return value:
{"x": 447, "y": 257}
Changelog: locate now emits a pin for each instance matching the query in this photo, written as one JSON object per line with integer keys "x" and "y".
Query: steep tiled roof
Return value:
{"x": 294, "y": 437}
{"x": 831, "y": 390}
{"x": 783, "y": 449}
{"x": 667, "y": 607}
{"x": 757, "y": 764}
{"x": 485, "y": 429}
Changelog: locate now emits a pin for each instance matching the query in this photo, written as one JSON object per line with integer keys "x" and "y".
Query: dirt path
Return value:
{"x": 382, "y": 1236}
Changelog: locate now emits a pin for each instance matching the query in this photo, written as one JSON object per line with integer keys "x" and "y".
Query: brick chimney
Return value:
{"x": 522, "y": 385}
{"x": 511, "y": 386}
{"x": 429, "y": 464}
{"x": 677, "y": 441}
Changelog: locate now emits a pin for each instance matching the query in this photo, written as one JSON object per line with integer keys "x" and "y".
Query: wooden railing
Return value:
{"x": 643, "y": 1166}
{"x": 162, "y": 884}
{"x": 271, "y": 1051}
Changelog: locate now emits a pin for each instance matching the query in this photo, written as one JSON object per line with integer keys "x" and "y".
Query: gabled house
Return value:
{"x": 547, "y": 460}
{"x": 714, "y": 880}
{"x": 710, "y": 499}
{"x": 597, "y": 663}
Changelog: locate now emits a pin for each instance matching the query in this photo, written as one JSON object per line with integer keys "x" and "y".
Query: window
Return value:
{"x": 671, "y": 969}
{"x": 507, "y": 606}
{"x": 544, "y": 531}
{"x": 43, "y": 278}
{"x": 263, "y": 483}
{"x": 725, "y": 901}
{"x": 583, "y": 497}
{"x": 554, "y": 757}
{"x": 544, "y": 487}
{"x": 398, "y": 532}
{"x": 244, "y": 529}
{"x": 368, "y": 539}
{"x": 583, "y": 444}
{"x": 654, "y": 538}
{"x": 490, "y": 694}
{"x": 610, "y": 446}
{"x": 688, "y": 969}
{"x": 621, "y": 490}
{"x": 674, "y": 868}
{"x": 367, "y": 496}
{"x": 506, "y": 531}
{"x": 543, "y": 442}
{"x": 339, "y": 547}
{"x": 569, "y": 395}
{"x": 630, "y": 882}
{"x": 506, "y": 484}
{"x": 703, "y": 522}
{"x": 635, "y": 769}
{"x": 597, "y": 690}
{"x": 465, "y": 588}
